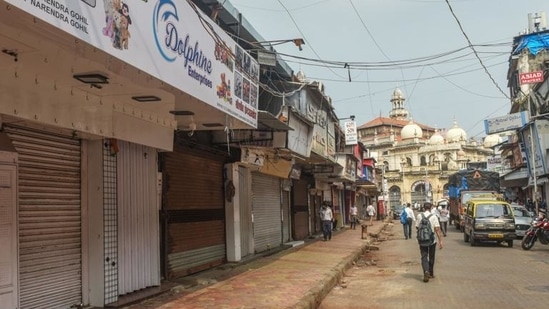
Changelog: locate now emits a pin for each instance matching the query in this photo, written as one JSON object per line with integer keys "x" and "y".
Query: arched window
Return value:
{"x": 422, "y": 161}
{"x": 408, "y": 161}
{"x": 386, "y": 166}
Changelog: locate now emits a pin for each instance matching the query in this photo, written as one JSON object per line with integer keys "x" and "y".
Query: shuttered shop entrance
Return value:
{"x": 193, "y": 212}
{"x": 266, "y": 212}
{"x": 50, "y": 258}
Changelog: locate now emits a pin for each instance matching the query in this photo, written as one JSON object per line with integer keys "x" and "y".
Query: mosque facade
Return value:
{"x": 414, "y": 160}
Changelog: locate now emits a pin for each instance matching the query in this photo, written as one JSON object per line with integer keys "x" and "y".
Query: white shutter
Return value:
{"x": 266, "y": 212}
{"x": 138, "y": 222}
{"x": 50, "y": 257}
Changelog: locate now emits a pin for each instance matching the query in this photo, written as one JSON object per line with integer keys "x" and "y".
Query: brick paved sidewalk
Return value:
{"x": 299, "y": 277}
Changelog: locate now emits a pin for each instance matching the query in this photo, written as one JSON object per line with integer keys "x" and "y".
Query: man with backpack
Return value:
{"x": 428, "y": 227}
{"x": 407, "y": 219}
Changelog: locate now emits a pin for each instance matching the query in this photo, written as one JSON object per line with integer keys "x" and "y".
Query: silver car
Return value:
{"x": 523, "y": 219}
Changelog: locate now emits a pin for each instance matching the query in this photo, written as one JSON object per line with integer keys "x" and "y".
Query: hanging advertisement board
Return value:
{"x": 170, "y": 40}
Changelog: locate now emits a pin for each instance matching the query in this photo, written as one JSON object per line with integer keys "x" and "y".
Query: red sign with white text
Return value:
{"x": 531, "y": 77}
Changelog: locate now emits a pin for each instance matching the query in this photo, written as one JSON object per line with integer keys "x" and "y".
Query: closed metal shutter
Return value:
{"x": 193, "y": 212}
{"x": 50, "y": 254}
{"x": 138, "y": 231}
{"x": 266, "y": 212}
{"x": 8, "y": 232}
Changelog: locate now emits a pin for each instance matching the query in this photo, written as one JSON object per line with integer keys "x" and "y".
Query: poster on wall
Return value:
{"x": 170, "y": 40}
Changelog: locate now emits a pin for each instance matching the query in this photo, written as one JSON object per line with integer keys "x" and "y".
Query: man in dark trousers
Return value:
{"x": 428, "y": 252}
{"x": 327, "y": 218}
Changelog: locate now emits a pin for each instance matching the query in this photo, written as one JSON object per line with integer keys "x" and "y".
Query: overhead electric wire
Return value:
{"x": 303, "y": 35}
{"x": 408, "y": 80}
{"x": 474, "y": 51}
{"x": 207, "y": 25}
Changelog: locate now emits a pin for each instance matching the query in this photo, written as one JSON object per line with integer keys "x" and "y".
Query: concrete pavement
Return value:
{"x": 299, "y": 277}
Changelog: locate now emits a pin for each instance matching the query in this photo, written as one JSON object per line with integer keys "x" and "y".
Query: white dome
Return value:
{"x": 456, "y": 134}
{"x": 411, "y": 130}
{"x": 491, "y": 140}
{"x": 397, "y": 94}
{"x": 301, "y": 76}
{"x": 461, "y": 154}
{"x": 436, "y": 139}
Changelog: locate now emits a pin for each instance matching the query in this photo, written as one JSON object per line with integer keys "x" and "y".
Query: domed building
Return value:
{"x": 456, "y": 134}
{"x": 416, "y": 159}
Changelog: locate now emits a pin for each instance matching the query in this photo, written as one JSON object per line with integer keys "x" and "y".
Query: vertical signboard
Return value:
{"x": 351, "y": 137}
{"x": 535, "y": 162}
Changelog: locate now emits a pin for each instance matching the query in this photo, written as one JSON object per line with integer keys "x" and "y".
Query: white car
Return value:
{"x": 523, "y": 219}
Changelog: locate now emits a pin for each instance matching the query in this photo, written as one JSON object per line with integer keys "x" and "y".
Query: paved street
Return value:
{"x": 486, "y": 276}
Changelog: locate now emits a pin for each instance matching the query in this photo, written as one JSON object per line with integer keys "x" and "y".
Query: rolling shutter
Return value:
{"x": 267, "y": 219}
{"x": 50, "y": 257}
{"x": 194, "y": 212}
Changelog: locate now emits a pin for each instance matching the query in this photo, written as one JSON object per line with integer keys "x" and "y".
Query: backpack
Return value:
{"x": 425, "y": 234}
{"x": 403, "y": 217}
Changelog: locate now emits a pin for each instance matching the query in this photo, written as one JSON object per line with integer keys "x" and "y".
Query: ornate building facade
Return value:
{"x": 415, "y": 159}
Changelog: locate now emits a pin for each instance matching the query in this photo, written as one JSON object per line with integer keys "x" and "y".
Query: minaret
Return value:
{"x": 398, "y": 111}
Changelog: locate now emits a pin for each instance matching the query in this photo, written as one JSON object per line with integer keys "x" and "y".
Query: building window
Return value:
{"x": 423, "y": 161}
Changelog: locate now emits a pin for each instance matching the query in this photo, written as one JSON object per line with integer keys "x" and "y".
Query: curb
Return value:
{"x": 314, "y": 297}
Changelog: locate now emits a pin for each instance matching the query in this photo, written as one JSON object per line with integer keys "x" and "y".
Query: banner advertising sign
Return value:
{"x": 351, "y": 137}
{"x": 531, "y": 77}
{"x": 505, "y": 123}
{"x": 170, "y": 40}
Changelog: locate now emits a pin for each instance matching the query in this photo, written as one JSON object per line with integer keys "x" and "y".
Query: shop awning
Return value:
{"x": 521, "y": 173}
{"x": 539, "y": 182}
{"x": 267, "y": 120}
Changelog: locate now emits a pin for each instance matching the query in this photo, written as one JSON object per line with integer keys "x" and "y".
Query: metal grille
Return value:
{"x": 110, "y": 223}
{"x": 50, "y": 252}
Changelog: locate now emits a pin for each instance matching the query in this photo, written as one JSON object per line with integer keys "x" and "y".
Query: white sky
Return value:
{"x": 375, "y": 34}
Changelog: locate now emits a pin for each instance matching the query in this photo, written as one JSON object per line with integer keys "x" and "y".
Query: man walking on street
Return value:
{"x": 371, "y": 212}
{"x": 427, "y": 223}
{"x": 354, "y": 216}
{"x": 410, "y": 219}
{"x": 327, "y": 217}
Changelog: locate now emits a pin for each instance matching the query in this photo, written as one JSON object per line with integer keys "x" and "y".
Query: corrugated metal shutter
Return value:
{"x": 266, "y": 212}
{"x": 194, "y": 210}
{"x": 50, "y": 255}
{"x": 138, "y": 231}
{"x": 8, "y": 232}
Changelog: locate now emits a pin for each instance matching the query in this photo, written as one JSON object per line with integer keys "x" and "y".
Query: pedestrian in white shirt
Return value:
{"x": 444, "y": 217}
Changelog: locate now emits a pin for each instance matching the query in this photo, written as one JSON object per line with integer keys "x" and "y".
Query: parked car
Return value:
{"x": 523, "y": 219}
{"x": 489, "y": 220}
{"x": 397, "y": 210}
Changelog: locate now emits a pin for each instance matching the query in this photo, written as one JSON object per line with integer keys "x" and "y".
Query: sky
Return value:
{"x": 448, "y": 57}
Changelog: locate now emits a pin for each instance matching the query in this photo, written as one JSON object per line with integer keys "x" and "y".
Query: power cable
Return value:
{"x": 475, "y": 52}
